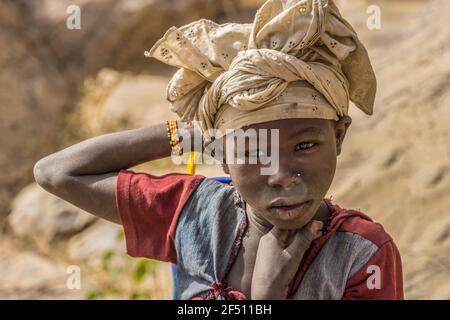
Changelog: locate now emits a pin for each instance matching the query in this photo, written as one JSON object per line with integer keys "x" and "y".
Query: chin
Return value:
{"x": 292, "y": 219}
{"x": 291, "y": 225}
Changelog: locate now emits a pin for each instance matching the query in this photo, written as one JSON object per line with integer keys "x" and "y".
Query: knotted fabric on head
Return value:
{"x": 298, "y": 59}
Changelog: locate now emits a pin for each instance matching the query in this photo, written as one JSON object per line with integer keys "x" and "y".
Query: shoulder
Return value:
{"x": 365, "y": 240}
{"x": 359, "y": 224}
{"x": 209, "y": 185}
{"x": 344, "y": 258}
{"x": 209, "y": 202}
{"x": 375, "y": 266}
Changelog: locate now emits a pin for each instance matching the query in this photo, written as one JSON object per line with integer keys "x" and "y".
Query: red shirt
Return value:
{"x": 150, "y": 207}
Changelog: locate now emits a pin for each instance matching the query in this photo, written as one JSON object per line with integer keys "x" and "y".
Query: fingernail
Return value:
{"x": 317, "y": 225}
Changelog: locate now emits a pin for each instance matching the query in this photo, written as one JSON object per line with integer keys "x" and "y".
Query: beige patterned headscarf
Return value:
{"x": 298, "y": 59}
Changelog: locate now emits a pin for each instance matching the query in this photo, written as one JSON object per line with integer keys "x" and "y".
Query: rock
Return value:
{"x": 92, "y": 244}
{"x": 45, "y": 218}
{"x": 45, "y": 63}
{"x": 33, "y": 97}
{"x": 27, "y": 272}
{"x": 114, "y": 101}
{"x": 29, "y": 275}
{"x": 113, "y": 33}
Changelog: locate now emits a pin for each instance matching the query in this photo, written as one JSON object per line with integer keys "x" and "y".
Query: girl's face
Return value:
{"x": 306, "y": 146}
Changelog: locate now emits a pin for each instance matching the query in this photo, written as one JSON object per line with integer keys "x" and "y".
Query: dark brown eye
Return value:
{"x": 304, "y": 146}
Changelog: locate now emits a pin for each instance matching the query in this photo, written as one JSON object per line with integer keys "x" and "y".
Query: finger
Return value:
{"x": 316, "y": 229}
{"x": 306, "y": 235}
{"x": 302, "y": 240}
{"x": 296, "y": 250}
{"x": 280, "y": 234}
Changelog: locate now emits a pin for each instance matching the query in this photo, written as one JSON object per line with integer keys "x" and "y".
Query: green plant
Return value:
{"x": 137, "y": 270}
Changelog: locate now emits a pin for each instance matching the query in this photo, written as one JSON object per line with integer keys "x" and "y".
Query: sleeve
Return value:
{"x": 149, "y": 207}
{"x": 380, "y": 278}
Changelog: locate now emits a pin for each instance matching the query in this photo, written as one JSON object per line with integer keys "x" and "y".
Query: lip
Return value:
{"x": 286, "y": 210}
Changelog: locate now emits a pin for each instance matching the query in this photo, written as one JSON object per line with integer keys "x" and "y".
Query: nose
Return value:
{"x": 285, "y": 177}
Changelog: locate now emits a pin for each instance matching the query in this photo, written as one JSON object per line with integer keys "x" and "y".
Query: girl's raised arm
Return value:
{"x": 85, "y": 174}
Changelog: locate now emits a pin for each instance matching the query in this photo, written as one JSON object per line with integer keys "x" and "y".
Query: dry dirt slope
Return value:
{"x": 396, "y": 165}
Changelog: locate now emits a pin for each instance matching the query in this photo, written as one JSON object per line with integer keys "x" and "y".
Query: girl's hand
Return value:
{"x": 278, "y": 259}
{"x": 190, "y": 130}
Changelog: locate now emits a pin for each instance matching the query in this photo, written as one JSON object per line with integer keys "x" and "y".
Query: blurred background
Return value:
{"x": 61, "y": 86}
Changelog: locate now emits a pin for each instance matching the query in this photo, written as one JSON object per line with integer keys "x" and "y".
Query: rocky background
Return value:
{"x": 60, "y": 86}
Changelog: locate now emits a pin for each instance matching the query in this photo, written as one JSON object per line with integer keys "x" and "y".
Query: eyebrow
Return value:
{"x": 306, "y": 130}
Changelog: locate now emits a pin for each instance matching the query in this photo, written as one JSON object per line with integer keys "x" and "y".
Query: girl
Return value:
{"x": 293, "y": 70}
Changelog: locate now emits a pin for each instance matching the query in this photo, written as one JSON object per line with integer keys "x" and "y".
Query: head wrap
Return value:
{"x": 298, "y": 59}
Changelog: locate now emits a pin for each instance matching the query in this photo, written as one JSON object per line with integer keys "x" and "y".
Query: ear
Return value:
{"x": 225, "y": 168}
{"x": 341, "y": 127}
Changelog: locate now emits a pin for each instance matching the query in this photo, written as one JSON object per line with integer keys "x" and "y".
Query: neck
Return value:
{"x": 261, "y": 225}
